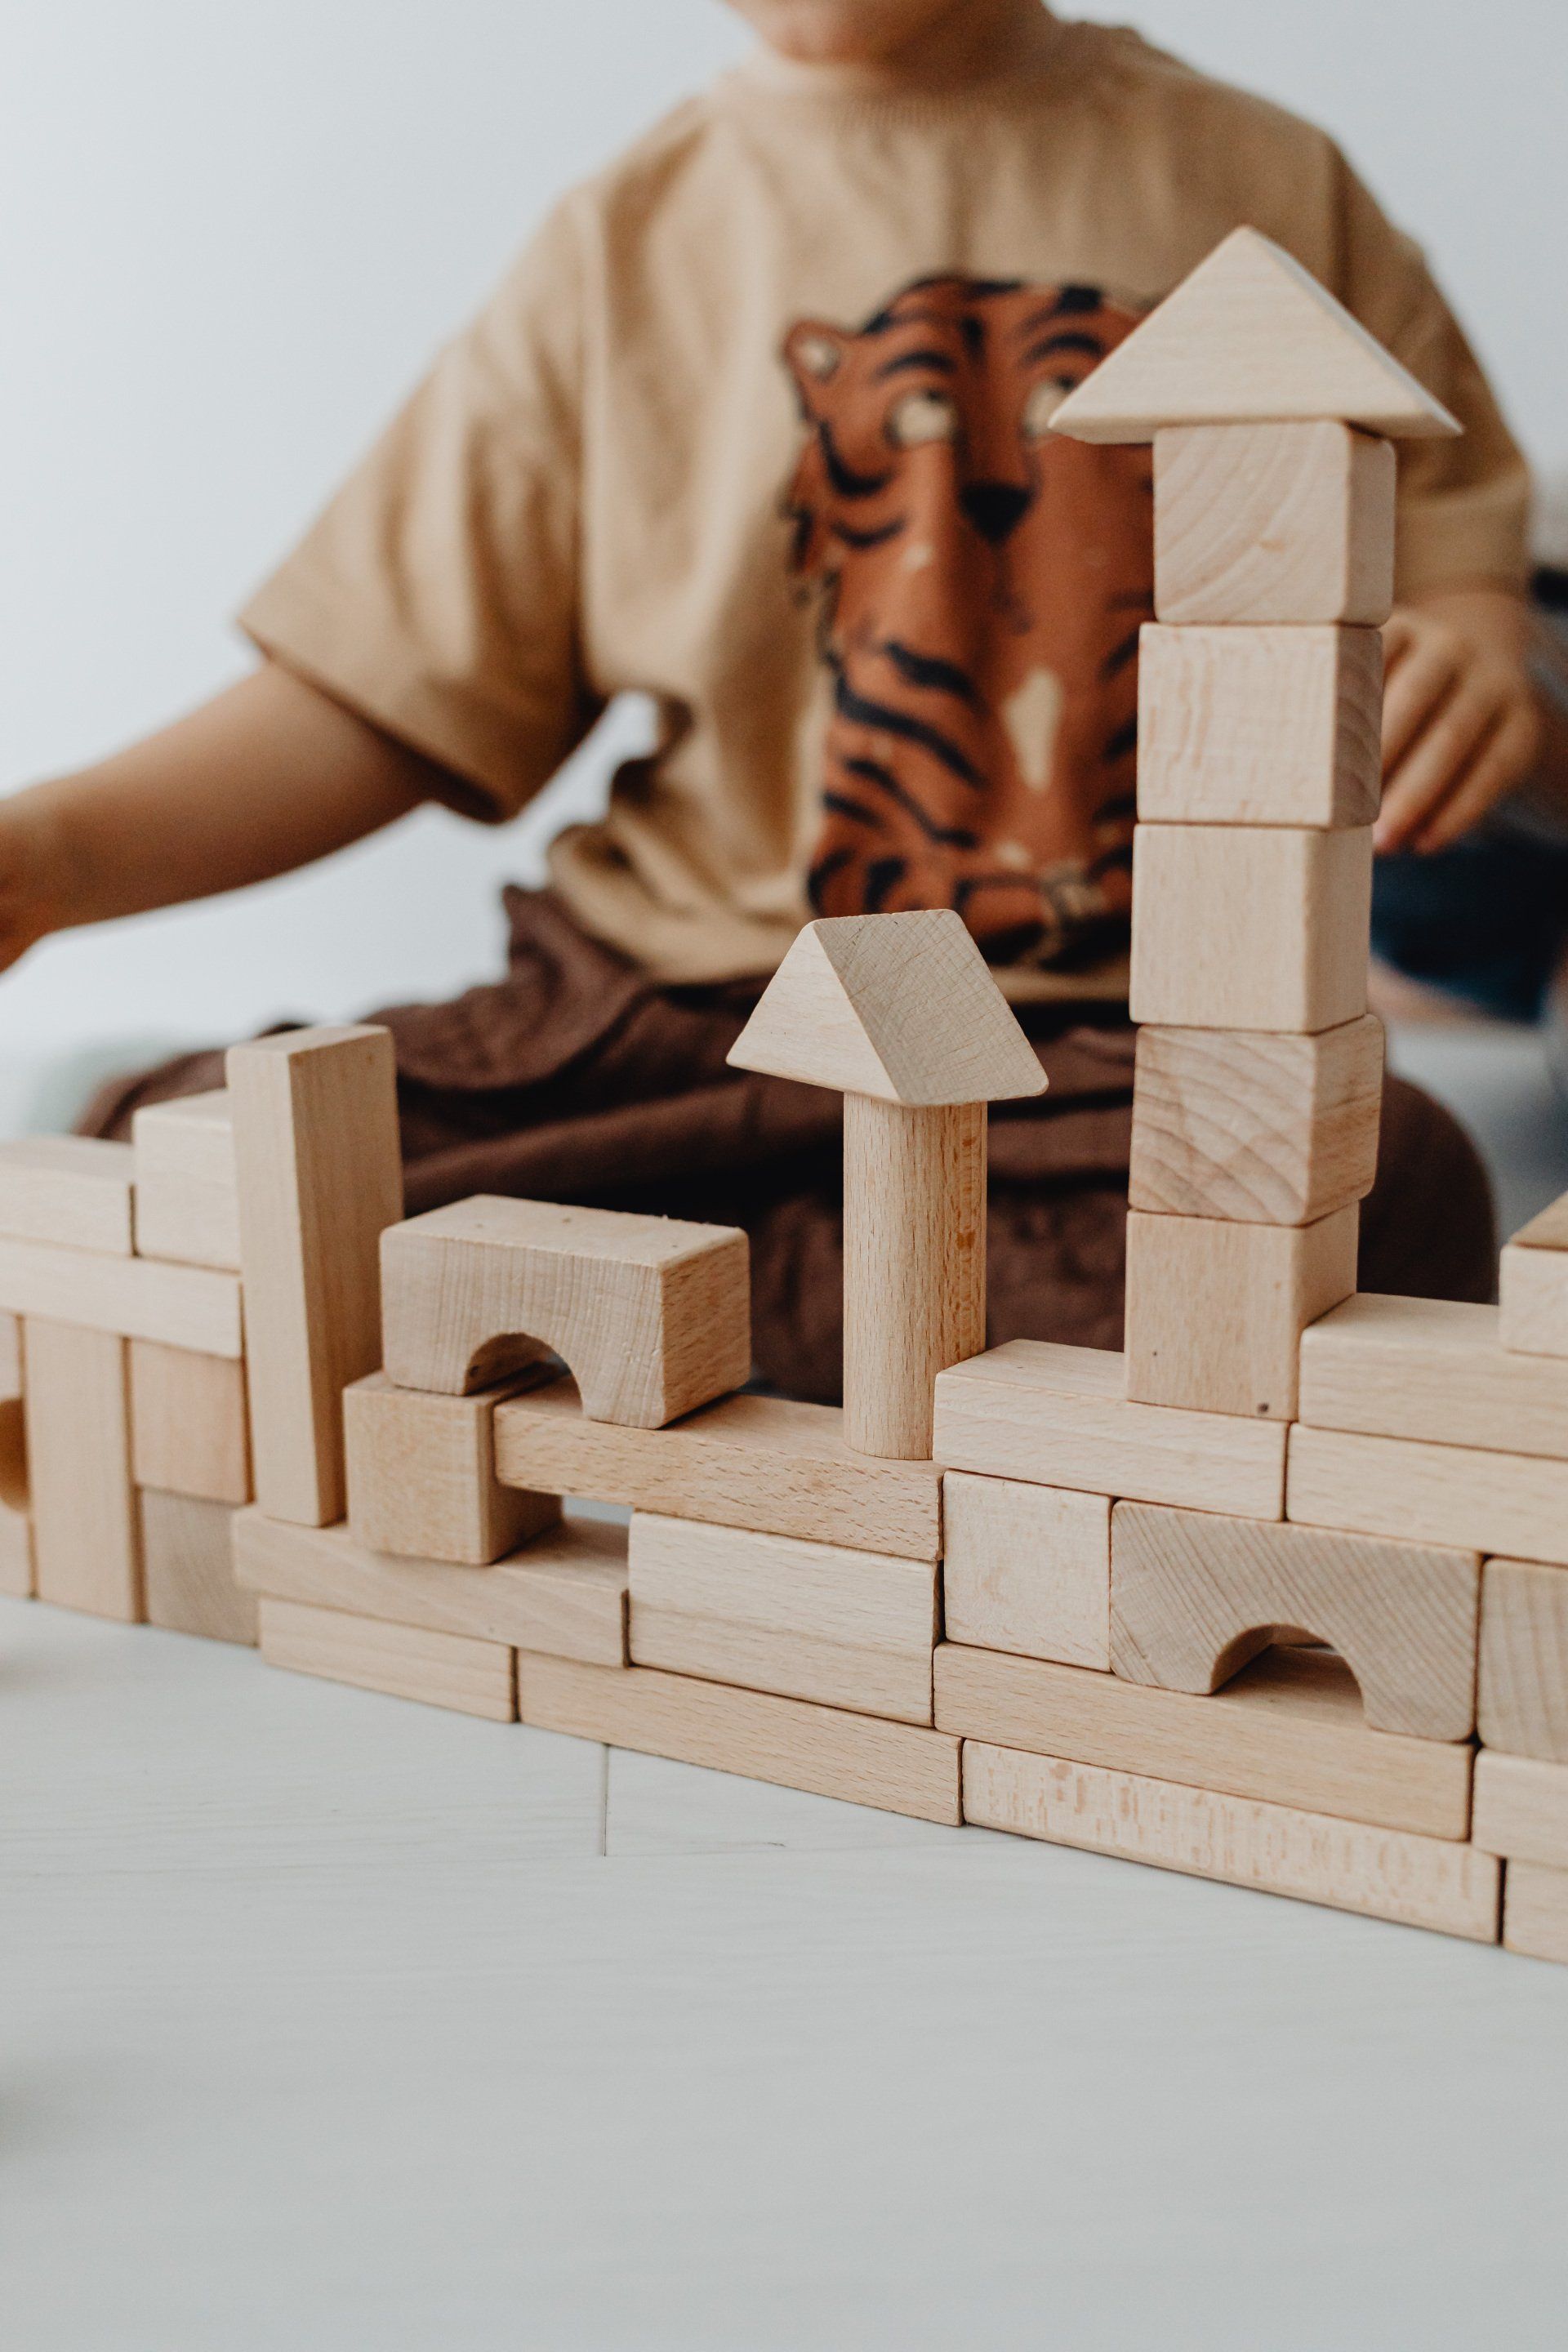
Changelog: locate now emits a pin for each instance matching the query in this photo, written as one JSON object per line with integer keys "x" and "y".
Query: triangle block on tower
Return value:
{"x": 1249, "y": 338}
{"x": 901, "y": 1007}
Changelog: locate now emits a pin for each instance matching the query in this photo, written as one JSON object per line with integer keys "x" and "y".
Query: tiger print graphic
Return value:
{"x": 981, "y": 581}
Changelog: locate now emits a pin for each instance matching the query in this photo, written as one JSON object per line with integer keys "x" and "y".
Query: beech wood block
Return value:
{"x": 1193, "y": 1596}
{"x": 1027, "y": 1569}
{"x": 1290, "y": 522}
{"x": 652, "y": 1315}
{"x": 1250, "y": 927}
{"x": 896, "y": 1768}
{"x": 130, "y": 1297}
{"x": 811, "y": 1621}
{"x": 1521, "y": 1808}
{"x": 766, "y": 1462}
{"x": 1288, "y": 1729}
{"x": 1533, "y": 1285}
{"x": 1261, "y": 725}
{"x": 71, "y": 1189}
{"x": 564, "y": 1593}
{"x": 1420, "y": 1882}
{"x": 319, "y": 1176}
{"x": 190, "y": 1429}
{"x": 87, "y": 1540}
{"x": 1275, "y": 1131}
{"x": 188, "y": 1551}
{"x": 187, "y": 1188}
{"x": 1521, "y": 1702}
{"x": 1216, "y": 1310}
{"x": 1535, "y": 1911}
{"x": 1060, "y": 1416}
{"x": 422, "y": 1475}
{"x": 1513, "y": 1503}
{"x": 438, "y": 1669}
{"x": 16, "y": 1528}
{"x": 1434, "y": 1370}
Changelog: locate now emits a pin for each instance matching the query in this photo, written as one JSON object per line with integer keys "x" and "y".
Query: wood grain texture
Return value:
{"x": 1250, "y": 927}
{"x": 87, "y": 1541}
{"x": 422, "y": 1478}
{"x": 187, "y": 1549}
{"x": 1027, "y": 1569}
{"x": 1194, "y": 1595}
{"x": 190, "y": 1430}
{"x": 1434, "y": 1370}
{"x": 914, "y": 1266}
{"x": 1508, "y": 1503}
{"x": 1521, "y": 1808}
{"x": 1260, "y": 523}
{"x": 1060, "y": 1416}
{"x": 132, "y": 1298}
{"x": 809, "y": 1621}
{"x": 188, "y": 1190}
{"x": 564, "y": 1593}
{"x": 71, "y": 1189}
{"x": 1276, "y": 1131}
{"x": 1533, "y": 1285}
{"x": 1290, "y": 1730}
{"x": 1279, "y": 1849}
{"x": 1535, "y": 1911}
{"x": 437, "y": 1669}
{"x": 1216, "y": 1310}
{"x": 652, "y": 1315}
{"x": 1261, "y": 726}
{"x": 1522, "y": 1703}
{"x": 898, "y": 1767}
{"x": 319, "y": 1176}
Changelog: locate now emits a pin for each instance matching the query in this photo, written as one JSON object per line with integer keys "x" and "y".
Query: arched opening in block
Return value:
{"x": 1290, "y": 1660}
{"x": 14, "y": 1489}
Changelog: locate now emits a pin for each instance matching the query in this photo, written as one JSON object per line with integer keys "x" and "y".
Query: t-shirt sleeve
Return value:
{"x": 438, "y": 594}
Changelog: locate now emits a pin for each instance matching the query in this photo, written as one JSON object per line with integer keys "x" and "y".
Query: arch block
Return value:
{"x": 1193, "y": 1596}
{"x": 651, "y": 1315}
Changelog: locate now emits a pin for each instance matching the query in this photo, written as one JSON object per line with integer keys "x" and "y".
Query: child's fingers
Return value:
{"x": 1503, "y": 761}
{"x": 1436, "y": 764}
{"x": 1416, "y": 688}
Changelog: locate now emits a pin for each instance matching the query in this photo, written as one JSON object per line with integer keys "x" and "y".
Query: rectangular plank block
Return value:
{"x": 190, "y": 1430}
{"x": 1259, "y": 726}
{"x": 1521, "y": 1808}
{"x": 420, "y": 1476}
{"x": 809, "y": 1621}
{"x": 187, "y": 1553}
{"x": 70, "y": 1190}
{"x": 437, "y": 1669}
{"x": 1522, "y": 1703}
{"x": 1535, "y": 1911}
{"x": 1289, "y": 1730}
{"x": 1533, "y": 1285}
{"x": 1272, "y": 522}
{"x": 1215, "y": 1309}
{"x": 1027, "y": 1569}
{"x": 1060, "y": 1416}
{"x": 187, "y": 1192}
{"x": 896, "y": 1768}
{"x": 320, "y": 1177}
{"x": 1508, "y": 1503}
{"x": 1420, "y": 1882}
{"x": 132, "y": 1298}
{"x": 1434, "y": 1370}
{"x": 86, "y": 1540}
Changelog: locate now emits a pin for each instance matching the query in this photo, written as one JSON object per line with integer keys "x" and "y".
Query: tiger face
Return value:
{"x": 982, "y": 583}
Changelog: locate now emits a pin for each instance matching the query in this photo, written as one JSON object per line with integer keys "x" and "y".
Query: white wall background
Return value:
{"x": 232, "y": 238}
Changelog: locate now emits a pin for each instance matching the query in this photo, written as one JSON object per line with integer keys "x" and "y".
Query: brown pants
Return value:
{"x": 577, "y": 1078}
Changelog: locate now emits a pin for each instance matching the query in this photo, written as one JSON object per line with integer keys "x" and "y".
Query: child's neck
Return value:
{"x": 974, "y": 42}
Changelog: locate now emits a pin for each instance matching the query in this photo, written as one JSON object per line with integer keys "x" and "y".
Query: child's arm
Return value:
{"x": 1460, "y": 722}
{"x": 267, "y": 776}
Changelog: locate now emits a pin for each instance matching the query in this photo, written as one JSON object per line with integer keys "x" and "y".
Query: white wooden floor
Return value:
{"x": 332, "y": 2021}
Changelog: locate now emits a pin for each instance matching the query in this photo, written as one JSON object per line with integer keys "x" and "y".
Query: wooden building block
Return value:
{"x": 1290, "y": 522}
{"x": 16, "y": 1528}
{"x": 566, "y": 1592}
{"x": 811, "y": 1621}
{"x": 1535, "y": 1911}
{"x": 190, "y": 1431}
{"x": 1290, "y": 1730}
{"x": 1510, "y": 1503}
{"x": 1521, "y": 1702}
{"x": 438, "y": 1669}
{"x": 898, "y": 1767}
{"x": 17, "y": 1573}
{"x": 1060, "y": 1417}
{"x": 1027, "y": 1569}
{"x": 766, "y": 1462}
{"x": 1279, "y": 1849}
{"x": 1216, "y": 1310}
{"x": 70, "y": 1190}
{"x": 187, "y": 1189}
{"x": 1533, "y": 1285}
{"x": 1275, "y": 1131}
{"x": 1250, "y": 927}
{"x": 187, "y": 1549}
{"x": 320, "y": 1175}
{"x": 1193, "y": 1596}
{"x": 1434, "y": 1370}
{"x": 1259, "y": 726}
{"x": 1521, "y": 1808}
{"x": 133, "y": 1298}
{"x": 652, "y": 1315}
{"x": 422, "y": 1475}
{"x": 87, "y": 1540}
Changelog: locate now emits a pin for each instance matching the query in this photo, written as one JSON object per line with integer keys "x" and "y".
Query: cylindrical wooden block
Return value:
{"x": 914, "y": 1265}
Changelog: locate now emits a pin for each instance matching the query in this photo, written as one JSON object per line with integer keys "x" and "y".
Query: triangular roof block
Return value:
{"x": 1249, "y": 337}
{"x": 902, "y": 1007}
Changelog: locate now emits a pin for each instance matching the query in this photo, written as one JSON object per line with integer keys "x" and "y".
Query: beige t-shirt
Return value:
{"x": 758, "y": 425}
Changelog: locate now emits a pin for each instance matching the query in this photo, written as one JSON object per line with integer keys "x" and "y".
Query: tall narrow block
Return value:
{"x": 1275, "y": 523}
{"x": 1259, "y": 726}
{"x": 1215, "y": 1311}
{"x": 86, "y": 1532}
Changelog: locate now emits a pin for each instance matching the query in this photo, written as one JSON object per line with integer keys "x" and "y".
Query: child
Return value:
{"x": 758, "y": 425}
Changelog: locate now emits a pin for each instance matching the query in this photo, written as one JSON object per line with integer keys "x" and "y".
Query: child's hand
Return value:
{"x": 1460, "y": 726}
{"x": 29, "y": 906}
